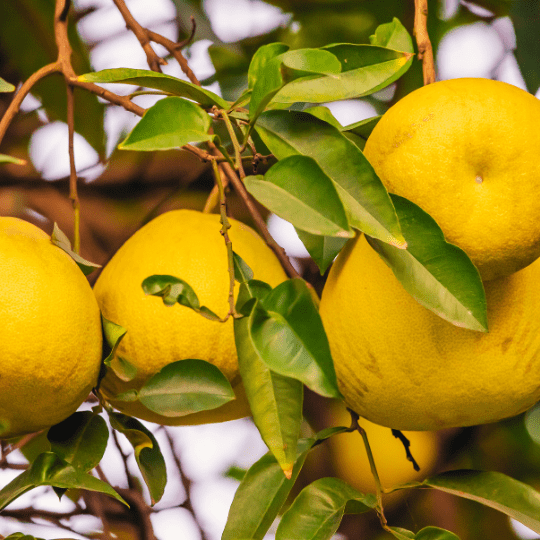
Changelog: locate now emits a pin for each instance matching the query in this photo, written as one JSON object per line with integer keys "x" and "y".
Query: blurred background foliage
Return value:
{"x": 120, "y": 191}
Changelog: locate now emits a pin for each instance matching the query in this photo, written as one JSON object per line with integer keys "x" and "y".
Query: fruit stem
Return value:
{"x": 224, "y": 232}
{"x": 355, "y": 426}
{"x": 237, "y": 148}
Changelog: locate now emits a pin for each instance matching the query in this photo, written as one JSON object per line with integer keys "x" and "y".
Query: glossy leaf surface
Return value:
{"x": 319, "y": 508}
{"x": 5, "y": 86}
{"x": 323, "y": 249}
{"x": 298, "y": 190}
{"x": 496, "y": 490}
{"x": 174, "y": 290}
{"x": 435, "y": 533}
{"x": 114, "y": 333}
{"x": 260, "y": 496}
{"x": 58, "y": 238}
{"x": 393, "y": 35}
{"x": 157, "y": 81}
{"x": 275, "y": 400}
{"x": 242, "y": 272}
{"x": 171, "y": 123}
{"x": 147, "y": 453}
{"x": 49, "y": 469}
{"x": 287, "y": 332}
{"x": 437, "y": 274}
{"x": 186, "y": 387}
{"x": 259, "y": 61}
{"x": 80, "y": 440}
{"x": 366, "y": 200}
{"x": 365, "y": 70}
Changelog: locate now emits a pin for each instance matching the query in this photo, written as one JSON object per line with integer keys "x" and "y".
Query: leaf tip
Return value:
{"x": 287, "y": 470}
{"x": 399, "y": 243}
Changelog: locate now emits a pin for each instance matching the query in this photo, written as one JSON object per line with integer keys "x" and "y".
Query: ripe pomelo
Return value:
{"x": 188, "y": 245}
{"x": 466, "y": 151}
{"x": 400, "y": 365}
{"x": 51, "y": 331}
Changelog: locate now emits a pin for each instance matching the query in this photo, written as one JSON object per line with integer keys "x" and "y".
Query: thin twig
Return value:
{"x": 407, "y": 445}
{"x": 425, "y": 50}
{"x": 379, "y": 489}
{"x": 154, "y": 61}
{"x": 175, "y": 50}
{"x": 19, "y": 444}
{"x": 258, "y": 219}
{"x": 225, "y": 233}
{"x": 73, "y": 194}
{"x": 23, "y": 91}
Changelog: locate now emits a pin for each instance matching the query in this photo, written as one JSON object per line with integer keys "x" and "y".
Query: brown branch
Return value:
{"x": 425, "y": 50}
{"x": 154, "y": 61}
{"x": 140, "y": 511}
{"x": 73, "y": 194}
{"x": 258, "y": 219}
{"x": 19, "y": 444}
{"x": 175, "y": 50}
{"x": 189, "y": 39}
{"x": 109, "y": 96}
{"x": 23, "y": 91}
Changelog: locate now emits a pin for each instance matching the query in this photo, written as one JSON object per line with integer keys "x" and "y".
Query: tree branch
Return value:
{"x": 425, "y": 50}
{"x": 154, "y": 61}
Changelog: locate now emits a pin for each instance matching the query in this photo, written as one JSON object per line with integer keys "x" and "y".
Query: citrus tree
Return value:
{"x": 422, "y": 233}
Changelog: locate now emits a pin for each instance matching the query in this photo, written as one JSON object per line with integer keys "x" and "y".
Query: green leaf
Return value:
{"x": 287, "y": 333}
{"x": 323, "y": 249}
{"x": 277, "y": 71}
{"x": 170, "y": 123}
{"x": 249, "y": 290}
{"x": 260, "y": 496}
{"x": 147, "y": 453}
{"x": 11, "y": 159}
{"x": 324, "y": 114}
{"x": 439, "y": 275}
{"x": 121, "y": 367}
{"x": 435, "y": 533}
{"x": 275, "y": 401}
{"x": 50, "y": 470}
{"x": 363, "y": 128}
{"x": 58, "y": 238}
{"x": 22, "y": 536}
{"x": 260, "y": 60}
{"x": 242, "y": 272}
{"x": 319, "y": 508}
{"x": 366, "y": 200}
{"x": 80, "y": 440}
{"x": 298, "y": 190}
{"x": 496, "y": 490}
{"x": 172, "y": 290}
{"x": 365, "y": 69}
{"x": 157, "y": 81}
{"x": 393, "y": 35}
{"x": 401, "y": 534}
{"x": 186, "y": 387}
{"x": 5, "y": 86}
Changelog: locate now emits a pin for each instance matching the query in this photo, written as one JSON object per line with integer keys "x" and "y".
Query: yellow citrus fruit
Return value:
{"x": 51, "y": 331}
{"x": 186, "y": 244}
{"x": 400, "y": 365}
{"x": 351, "y": 463}
{"x": 466, "y": 151}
